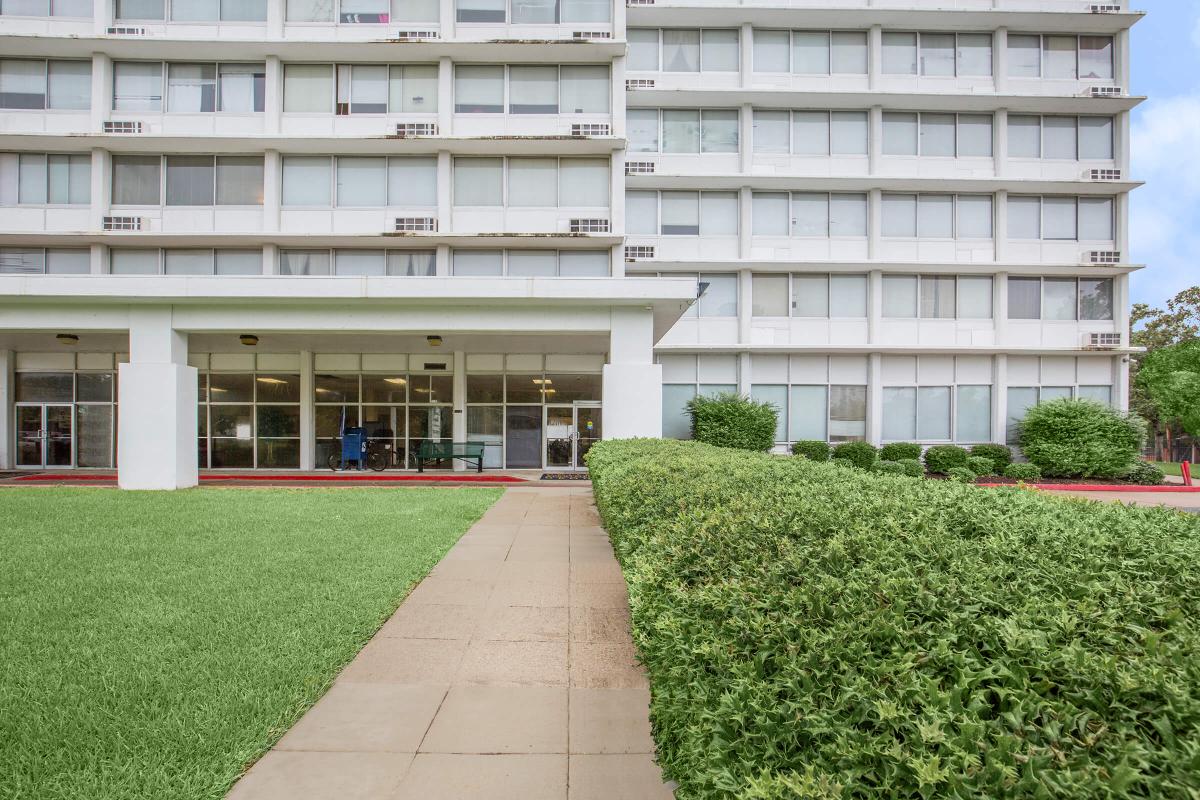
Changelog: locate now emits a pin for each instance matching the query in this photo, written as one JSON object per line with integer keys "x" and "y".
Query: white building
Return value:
{"x": 482, "y": 220}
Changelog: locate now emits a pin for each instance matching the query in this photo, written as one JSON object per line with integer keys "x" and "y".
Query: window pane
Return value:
{"x": 777, "y": 397}
{"x": 900, "y": 296}
{"x": 18, "y": 261}
{"x": 585, "y": 11}
{"x": 66, "y": 261}
{"x": 720, "y": 51}
{"x": 680, "y": 213}
{"x": 1024, "y": 56}
{"x": 358, "y": 262}
{"x": 643, "y": 50}
{"x": 847, "y": 413}
{"x": 975, "y": 54}
{"x": 1059, "y": 137}
{"x": 22, "y": 84}
{"x": 808, "y": 413}
{"x": 306, "y": 181}
{"x": 584, "y": 182}
{"x": 244, "y": 10}
{"x": 935, "y": 216}
{"x": 848, "y": 133}
{"x": 810, "y": 133}
{"x": 239, "y": 180}
{"x": 1097, "y": 394}
{"x": 190, "y": 180}
{"x": 1096, "y": 57}
{"x": 308, "y": 88}
{"x": 535, "y": 11}
{"x": 136, "y": 180}
{"x": 31, "y": 179}
{"x": 1096, "y": 138}
{"x": 718, "y": 214}
{"x": 1058, "y": 218}
{"x": 900, "y": 215}
{"x": 937, "y": 54}
{"x": 937, "y": 296}
{"x": 1096, "y": 218}
{"x": 810, "y": 52}
{"x": 810, "y": 296}
{"x": 973, "y": 415}
{"x": 242, "y": 87}
{"x": 810, "y": 214}
{"x": 933, "y": 413}
{"x": 239, "y": 262}
{"x": 585, "y": 90}
{"x": 719, "y": 131}
{"x": 480, "y": 10}
{"x": 191, "y": 87}
{"x": 770, "y": 212}
{"x": 361, "y": 181}
{"x": 937, "y": 135}
{"x": 478, "y": 262}
{"x": 1058, "y": 298}
{"x": 974, "y": 297}
{"x": 133, "y": 262}
{"x": 850, "y": 53}
{"x": 70, "y": 85}
{"x": 533, "y": 182}
{"x": 413, "y": 89}
{"x": 583, "y": 263}
{"x": 848, "y": 215}
{"x": 139, "y": 9}
{"x": 478, "y": 181}
{"x": 303, "y": 262}
{"x": 720, "y": 299}
{"x": 1095, "y": 298}
{"x": 412, "y": 181}
{"x": 309, "y": 11}
{"x": 681, "y": 131}
{"x": 848, "y": 296}
{"x": 1024, "y": 217}
{"x": 899, "y": 413}
{"x": 677, "y": 423}
{"x": 643, "y": 130}
{"x": 188, "y": 262}
{"x": 641, "y": 213}
{"x": 1058, "y": 53}
{"x": 478, "y": 90}
{"x": 137, "y": 86}
{"x": 770, "y": 295}
{"x": 974, "y": 135}
{"x": 974, "y": 216}
{"x": 533, "y": 90}
{"x": 899, "y": 53}
{"x": 368, "y": 89}
{"x": 1020, "y": 400}
{"x": 1024, "y": 136}
{"x": 1024, "y": 298}
{"x": 680, "y": 51}
{"x": 411, "y": 263}
{"x": 900, "y": 134}
{"x": 25, "y": 8}
{"x": 770, "y": 51}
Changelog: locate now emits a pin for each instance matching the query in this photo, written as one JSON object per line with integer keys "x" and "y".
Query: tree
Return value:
{"x": 1170, "y": 379}
{"x": 1155, "y": 329}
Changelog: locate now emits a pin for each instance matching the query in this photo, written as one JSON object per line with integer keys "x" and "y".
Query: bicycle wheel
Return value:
{"x": 377, "y": 461}
{"x": 335, "y": 462}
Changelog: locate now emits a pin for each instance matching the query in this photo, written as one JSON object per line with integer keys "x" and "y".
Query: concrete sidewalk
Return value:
{"x": 508, "y": 674}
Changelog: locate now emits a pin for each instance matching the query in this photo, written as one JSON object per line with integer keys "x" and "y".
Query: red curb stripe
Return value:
{"x": 1098, "y": 487}
{"x": 367, "y": 478}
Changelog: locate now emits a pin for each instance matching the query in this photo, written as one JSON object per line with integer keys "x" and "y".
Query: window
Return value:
{"x": 847, "y": 413}
{"x": 140, "y": 9}
{"x": 412, "y": 89}
{"x": 241, "y": 88}
{"x": 1088, "y": 299}
{"x": 643, "y": 49}
{"x": 937, "y": 54}
{"x": 777, "y": 398}
{"x": 212, "y": 262}
{"x": 46, "y": 8}
{"x": 1061, "y": 218}
{"x": 827, "y": 413}
{"x": 360, "y": 181}
{"x": 54, "y": 179}
{"x": 136, "y": 180}
{"x": 684, "y": 131}
{"x": 556, "y": 11}
{"x": 1096, "y": 57}
{"x": 359, "y": 11}
{"x": 531, "y": 263}
{"x": 1072, "y": 138}
{"x": 531, "y": 182}
{"x": 811, "y": 296}
{"x": 811, "y": 214}
{"x": 946, "y": 135}
{"x": 974, "y": 297}
{"x": 937, "y": 216}
{"x": 357, "y": 263}
{"x": 823, "y": 133}
{"x": 231, "y": 180}
{"x": 308, "y": 88}
{"x": 718, "y": 298}
{"x": 674, "y": 50}
{"x": 921, "y": 413}
{"x": 48, "y": 261}
{"x": 224, "y": 10}
{"x": 480, "y": 10}
{"x": 769, "y": 295}
{"x": 133, "y": 262}
{"x": 360, "y": 88}
{"x": 1024, "y": 56}
{"x": 1060, "y": 57}
{"x": 531, "y": 90}
{"x": 682, "y": 213}
{"x": 137, "y": 86}
{"x": 37, "y": 84}
{"x": 811, "y": 52}
{"x": 249, "y": 420}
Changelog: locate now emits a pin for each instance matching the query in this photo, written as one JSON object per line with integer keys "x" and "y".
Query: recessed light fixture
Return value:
{"x": 396, "y": 381}
{"x": 434, "y": 341}
{"x": 248, "y": 339}
{"x": 273, "y": 381}
{"x": 67, "y": 338}
{"x": 543, "y": 381}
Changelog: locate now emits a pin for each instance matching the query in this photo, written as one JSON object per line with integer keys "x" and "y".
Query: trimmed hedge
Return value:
{"x": 1000, "y": 455}
{"x": 1023, "y": 472}
{"x": 961, "y": 474}
{"x": 1073, "y": 438}
{"x": 981, "y": 465}
{"x": 888, "y": 467}
{"x": 862, "y": 454}
{"x": 942, "y": 458}
{"x": 845, "y": 463}
{"x": 1145, "y": 473}
{"x": 898, "y": 451}
{"x": 815, "y": 632}
{"x": 730, "y": 420}
{"x": 912, "y": 467}
{"x": 813, "y": 450}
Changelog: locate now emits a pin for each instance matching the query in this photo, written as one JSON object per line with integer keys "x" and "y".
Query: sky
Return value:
{"x": 1164, "y": 226}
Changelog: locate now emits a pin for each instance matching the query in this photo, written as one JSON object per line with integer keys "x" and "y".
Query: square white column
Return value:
{"x": 308, "y": 413}
{"x": 7, "y": 390}
{"x": 632, "y": 382}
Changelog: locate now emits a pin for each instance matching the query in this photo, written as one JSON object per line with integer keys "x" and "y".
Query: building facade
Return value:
{"x": 228, "y": 228}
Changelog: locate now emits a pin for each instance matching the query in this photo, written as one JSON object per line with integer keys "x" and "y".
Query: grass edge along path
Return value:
{"x": 156, "y": 644}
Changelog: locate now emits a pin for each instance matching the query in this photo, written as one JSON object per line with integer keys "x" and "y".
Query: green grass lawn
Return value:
{"x": 154, "y": 644}
{"x": 1169, "y": 467}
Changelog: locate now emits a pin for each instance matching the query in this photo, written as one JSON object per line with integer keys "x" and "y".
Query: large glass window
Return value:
{"x": 1060, "y": 298}
{"x": 49, "y": 261}
{"x": 55, "y": 179}
{"x": 1061, "y": 218}
{"x": 137, "y": 86}
{"x": 937, "y": 54}
{"x": 478, "y": 89}
{"x": 136, "y": 180}
{"x": 308, "y": 88}
{"x": 249, "y": 420}
{"x": 40, "y": 84}
{"x": 811, "y": 52}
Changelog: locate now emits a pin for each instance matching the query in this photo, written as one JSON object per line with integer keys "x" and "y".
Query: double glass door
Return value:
{"x": 570, "y": 433}
{"x": 45, "y": 436}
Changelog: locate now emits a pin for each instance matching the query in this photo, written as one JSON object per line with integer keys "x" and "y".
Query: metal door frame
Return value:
{"x": 42, "y": 435}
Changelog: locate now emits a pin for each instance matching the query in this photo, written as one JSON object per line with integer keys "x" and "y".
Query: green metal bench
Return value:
{"x": 442, "y": 451}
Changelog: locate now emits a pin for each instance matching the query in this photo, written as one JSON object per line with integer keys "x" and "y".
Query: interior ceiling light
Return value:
{"x": 543, "y": 381}
{"x": 248, "y": 339}
{"x": 268, "y": 379}
{"x": 396, "y": 381}
{"x": 434, "y": 341}
{"x": 67, "y": 338}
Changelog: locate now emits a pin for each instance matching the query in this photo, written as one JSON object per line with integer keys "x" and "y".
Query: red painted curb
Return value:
{"x": 370, "y": 477}
{"x": 1097, "y": 487}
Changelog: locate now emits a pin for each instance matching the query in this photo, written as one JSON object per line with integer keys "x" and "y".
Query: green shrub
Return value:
{"x": 1023, "y": 472}
{"x": 862, "y": 454}
{"x": 1000, "y": 455}
{"x": 942, "y": 458}
{"x": 898, "y": 451}
{"x": 813, "y": 450}
{"x": 730, "y": 420}
{"x": 814, "y": 632}
{"x": 912, "y": 467}
{"x": 961, "y": 475}
{"x": 981, "y": 465}
{"x": 1081, "y": 439}
{"x": 843, "y": 462}
{"x": 1145, "y": 473}
{"x": 888, "y": 467}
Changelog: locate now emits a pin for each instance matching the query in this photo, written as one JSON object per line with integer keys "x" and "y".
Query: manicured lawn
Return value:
{"x": 1169, "y": 467}
{"x": 153, "y": 645}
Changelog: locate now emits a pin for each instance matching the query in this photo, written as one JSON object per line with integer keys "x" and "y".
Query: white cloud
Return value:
{"x": 1165, "y": 214}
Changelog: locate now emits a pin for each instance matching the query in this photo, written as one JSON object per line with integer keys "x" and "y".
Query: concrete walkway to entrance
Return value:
{"x": 508, "y": 674}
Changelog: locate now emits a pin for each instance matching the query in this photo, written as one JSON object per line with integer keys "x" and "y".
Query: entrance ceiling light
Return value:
{"x": 270, "y": 380}
{"x": 395, "y": 381}
{"x": 248, "y": 339}
{"x": 434, "y": 341}
{"x": 67, "y": 338}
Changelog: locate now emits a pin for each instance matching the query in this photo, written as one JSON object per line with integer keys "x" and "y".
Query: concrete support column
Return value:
{"x": 1121, "y": 59}
{"x": 632, "y": 382}
{"x": 441, "y": 260}
{"x": 619, "y": 26}
{"x": 1000, "y": 308}
{"x": 97, "y": 261}
{"x": 7, "y": 392}
{"x": 745, "y": 305}
{"x": 874, "y": 139}
{"x": 874, "y": 305}
{"x": 102, "y": 81}
{"x": 100, "y": 188}
{"x": 272, "y": 190}
{"x": 1000, "y": 234}
{"x": 273, "y": 94}
{"x": 1121, "y": 144}
{"x": 745, "y": 373}
{"x": 458, "y": 427}
{"x": 445, "y": 97}
{"x": 1121, "y": 229}
{"x": 1121, "y": 303}
{"x": 104, "y": 16}
{"x": 745, "y": 222}
{"x": 999, "y": 398}
{"x": 1000, "y": 142}
{"x": 746, "y": 138}
{"x": 156, "y": 422}
{"x": 617, "y": 261}
{"x": 445, "y": 217}
{"x": 446, "y": 21}
{"x": 616, "y": 212}
{"x": 1121, "y": 383}
{"x": 1000, "y": 60}
{"x": 276, "y": 14}
{"x": 874, "y": 223}
{"x": 308, "y": 413}
{"x": 746, "y": 51}
{"x": 874, "y": 57}
{"x": 617, "y": 93}
{"x": 875, "y": 399}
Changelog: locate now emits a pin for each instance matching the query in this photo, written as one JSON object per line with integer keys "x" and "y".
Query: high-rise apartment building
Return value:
{"x": 228, "y": 228}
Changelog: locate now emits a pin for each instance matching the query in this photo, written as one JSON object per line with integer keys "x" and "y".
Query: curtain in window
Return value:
{"x": 22, "y": 84}
{"x": 242, "y": 87}
{"x": 533, "y": 90}
{"x": 533, "y": 182}
{"x": 412, "y": 181}
{"x": 681, "y": 51}
{"x": 70, "y": 85}
{"x": 584, "y": 182}
{"x": 937, "y": 297}
{"x": 534, "y": 11}
{"x": 478, "y": 181}
{"x": 361, "y": 181}
{"x": 303, "y": 262}
{"x": 479, "y": 90}
{"x": 900, "y": 296}
{"x": 136, "y": 180}
{"x": 411, "y": 263}
{"x": 308, "y": 88}
{"x": 191, "y": 87}
{"x": 1024, "y": 298}
{"x": 190, "y": 181}
{"x": 137, "y": 86}
{"x": 584, "y": 90}
{"x": 306, "y": 181}
{"x": 1059, "y": 298}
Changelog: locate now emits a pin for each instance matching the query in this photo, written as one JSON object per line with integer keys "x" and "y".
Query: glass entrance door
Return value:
{"x": 570, "y": 433}
{"x": 588, "y": 431}
{"x": 45, "y": 436}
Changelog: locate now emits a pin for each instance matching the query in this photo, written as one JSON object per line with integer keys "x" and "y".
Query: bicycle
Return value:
{"x": 378, "y": 457}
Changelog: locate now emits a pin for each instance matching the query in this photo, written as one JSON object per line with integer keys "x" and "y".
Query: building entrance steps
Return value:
{"x": 507, "y": 674}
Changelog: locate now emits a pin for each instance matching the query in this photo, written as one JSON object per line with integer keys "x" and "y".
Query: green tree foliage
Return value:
{"x": 1071, "y": 438}
{"x": 1170, "y": 379}
{"x": 1154, "y": 329}
{"x": 731, "y": 420}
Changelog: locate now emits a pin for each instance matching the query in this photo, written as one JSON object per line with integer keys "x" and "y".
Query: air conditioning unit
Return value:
{"x": 415, "y": 36}
{"x": 122, "y": 126}
{"x": 633, "y": 84}
{"x": 589, "y": 225}
{"x": 1104, "y": 91}
{"x": 639, "y": 252}
{"x": 1101, "y": 341}
{"x": 407, "y": 130}
{"x": 1102, "y": 174}
{"x": 124, "y": 223}
{"x": 1107, "y": 8}
{"x": 416, "y": 224}
{"x": 639, "y": 2}
{"x": 639, "y": 167}
{"x": 125, "y": 30}
{"x": 591, "y": 35}
{"x": 581, "y": 129}
{"x": 1102, "y": 257}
